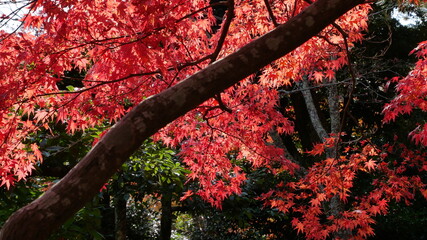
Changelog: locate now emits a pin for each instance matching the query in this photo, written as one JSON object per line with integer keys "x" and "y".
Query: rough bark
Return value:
{"x": 336, "y": 206}
{"x": 334, "y": 112}
{"x": 38, "y": 219}
{"x": 334, "y": 109}
{"x": 312, "y": 110}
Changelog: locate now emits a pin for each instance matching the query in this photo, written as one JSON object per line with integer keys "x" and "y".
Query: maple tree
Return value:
{"x": 126, "y": 52}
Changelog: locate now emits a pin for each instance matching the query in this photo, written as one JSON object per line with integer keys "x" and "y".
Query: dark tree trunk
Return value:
{"x": 166, "y": 218}
{"x": 303, "y": 125}
{"x": 40, "y": 218}
{"x": 107, "y": 220}
{"x": 120, "y": 218}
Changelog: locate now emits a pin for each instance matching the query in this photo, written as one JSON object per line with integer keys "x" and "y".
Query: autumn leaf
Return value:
{"x": 299, "y": 226}
{"x": 318, "y": 76}
{"x": 318, "y": 149}
{"x": 370, "y": 165}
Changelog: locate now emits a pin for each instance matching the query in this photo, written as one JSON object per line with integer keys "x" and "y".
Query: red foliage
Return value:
{"x": 412, "y": 95}
{"x": 333, "y": 179}
{"x": 131, "y": 50}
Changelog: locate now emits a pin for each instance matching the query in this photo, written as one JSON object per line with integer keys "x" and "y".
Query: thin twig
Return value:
{"x": 352, "y": 74}
{"x": 144, "y": 35}
{"x": 353, "y": 83}
{"x": 270, "y": 13}
{"x": 313, "y": 87}
{"x": 23, "y": 21}
{"x": 328, "y": 41}
{"x": 101, "y": 83}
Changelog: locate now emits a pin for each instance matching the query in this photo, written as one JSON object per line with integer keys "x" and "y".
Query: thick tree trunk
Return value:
{"x": 41, "y": 217}
{"x": 312, "y": 110}
{"x": 166, "y": 218}
{"x": 334, "y": 106}
{"x": 336, "y": 206}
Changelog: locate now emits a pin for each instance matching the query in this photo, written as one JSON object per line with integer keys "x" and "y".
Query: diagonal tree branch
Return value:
{"x": 40, "y": 218}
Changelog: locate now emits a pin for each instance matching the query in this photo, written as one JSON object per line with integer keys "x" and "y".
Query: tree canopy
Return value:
{"x": 269, "y": 83}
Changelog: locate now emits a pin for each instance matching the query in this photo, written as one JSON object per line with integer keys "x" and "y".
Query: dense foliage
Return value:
{"x": 313, "y": 145}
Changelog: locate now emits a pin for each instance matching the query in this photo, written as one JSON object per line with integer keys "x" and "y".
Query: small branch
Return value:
{"x": 100, "y": 83}
{"x": 222, "y": 104}
{"x": 14, "y": 13}
{"x": 313, "y": 87}
{"x": 244, "y": 143}
{"x": 153, "y": 31}
{"x": 224, "y": 31}
{"x": 353, "y": 77}
{"x": 270, "y": 13}
{"x": 214, "y": 55}
{"x": 328, "y": 41}
{"x": 222, "y": 3}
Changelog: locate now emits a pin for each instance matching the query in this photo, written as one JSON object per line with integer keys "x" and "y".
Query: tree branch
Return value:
{"x": 224, "y": 31}
{"x": 270, "y": 13}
